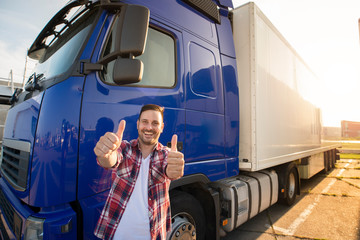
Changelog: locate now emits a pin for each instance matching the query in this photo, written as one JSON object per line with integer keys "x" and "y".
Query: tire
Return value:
{"x": 333, "y": 158}
{"x": 337, "y": 155}
{"x": 327, "y": 164}
{"x": 291, "y": 186}
{"x": 188, "y": 218}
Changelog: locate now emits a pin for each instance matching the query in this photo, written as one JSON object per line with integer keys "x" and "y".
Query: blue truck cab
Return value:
{"x": 97, "y": 67}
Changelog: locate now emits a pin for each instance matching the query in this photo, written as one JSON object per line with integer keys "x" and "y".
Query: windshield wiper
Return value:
{"x": 33, "y": 82}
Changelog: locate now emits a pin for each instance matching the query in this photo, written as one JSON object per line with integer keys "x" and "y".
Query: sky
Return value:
{"x": 325, "y": 33}
{"x": 20, "y": 23}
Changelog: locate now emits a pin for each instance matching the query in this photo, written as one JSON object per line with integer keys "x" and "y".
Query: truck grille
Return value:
{"x": 3, "y": 231}
{"x": 15, "y": 163}
{"x": 14, "y": 220}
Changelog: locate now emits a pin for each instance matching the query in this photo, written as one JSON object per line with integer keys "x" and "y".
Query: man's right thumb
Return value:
{"x": 121, "y": 129}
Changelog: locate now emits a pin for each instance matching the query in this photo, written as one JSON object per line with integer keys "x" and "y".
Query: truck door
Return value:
{"x": 106, "y": 103}
{"x": 204, "y": 103}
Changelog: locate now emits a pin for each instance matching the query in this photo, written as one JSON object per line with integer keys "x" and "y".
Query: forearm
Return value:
{"x": 111, "y": 161}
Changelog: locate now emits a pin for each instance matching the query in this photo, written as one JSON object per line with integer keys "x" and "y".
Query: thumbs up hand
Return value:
{"x": 105, "y": 149}
{"x": 175, "y": 167}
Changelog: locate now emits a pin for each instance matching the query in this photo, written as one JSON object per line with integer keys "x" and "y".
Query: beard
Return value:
{"x": 147, "y": 137}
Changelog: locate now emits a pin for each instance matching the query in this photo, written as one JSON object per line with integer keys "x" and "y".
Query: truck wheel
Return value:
{"x": 326, "y": 162}
{"x": 290, "y": 187}
{"x": 188, "y": 218}
{"x": 333, "y": 158}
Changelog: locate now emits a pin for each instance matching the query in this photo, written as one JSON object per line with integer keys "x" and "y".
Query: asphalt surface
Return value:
{"x": 327, "y": 208}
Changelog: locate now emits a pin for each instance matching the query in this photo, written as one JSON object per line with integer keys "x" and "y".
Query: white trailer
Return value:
{"x": 278, "y": 123}
{"x": 280, "y": 128}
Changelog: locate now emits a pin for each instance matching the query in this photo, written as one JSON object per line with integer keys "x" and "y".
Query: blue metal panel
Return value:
{"x": 204, "y": 136}
{"x": 182, "y": 17}
{"x": 225, "y": 35}
{"x": 204, "y": 110}
{"x": 53, "y": 173}
{"x": 57, "y": 217}
{"x": 203, "y": 74}
{"x": 231, "y": 106}
{"x": 232, "y": 167}
{"x": 92, "y": 208}
{"x": 226, "y": 3}
{"x": 21, "y": 122}
{"x": 213, "y": 169}
{"x": 204, "y": 90}
{"x": 21, "y": 119}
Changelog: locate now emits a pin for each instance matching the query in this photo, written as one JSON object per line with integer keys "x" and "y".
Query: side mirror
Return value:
{"x": 130, "y": 32}
{"x": 127, "y": 71}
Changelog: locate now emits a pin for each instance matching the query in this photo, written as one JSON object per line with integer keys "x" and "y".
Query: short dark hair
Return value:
{"x": 153, "y": 107}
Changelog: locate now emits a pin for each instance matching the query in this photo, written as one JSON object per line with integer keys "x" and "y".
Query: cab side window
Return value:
{"x": 158, "y": 59}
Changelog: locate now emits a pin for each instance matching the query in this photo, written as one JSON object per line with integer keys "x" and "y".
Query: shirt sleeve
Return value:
{"x": 118, "y": 159}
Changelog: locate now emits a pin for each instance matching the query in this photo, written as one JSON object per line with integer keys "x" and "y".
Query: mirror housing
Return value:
{"x": 130, "y": 33}
{"x": 127, "y": 71}
{"x": 131, "y": 30}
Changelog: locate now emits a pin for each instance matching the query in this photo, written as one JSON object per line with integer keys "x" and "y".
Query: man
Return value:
{"x": 138, "y": 205}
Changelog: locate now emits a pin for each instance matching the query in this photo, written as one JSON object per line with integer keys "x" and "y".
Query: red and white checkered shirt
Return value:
{"x": 125, "y": 174}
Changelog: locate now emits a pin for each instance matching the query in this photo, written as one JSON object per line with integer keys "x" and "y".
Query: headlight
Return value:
{"x": 34, "y": 228}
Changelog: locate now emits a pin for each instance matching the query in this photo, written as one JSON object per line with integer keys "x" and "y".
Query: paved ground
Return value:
{"x": 328, "y": 208}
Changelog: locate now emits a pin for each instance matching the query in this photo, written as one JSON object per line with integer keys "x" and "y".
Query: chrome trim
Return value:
{"x": 17, "y": 144}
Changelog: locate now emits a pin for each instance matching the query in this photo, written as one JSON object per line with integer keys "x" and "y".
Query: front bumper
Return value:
{"x": 60, "y": 222}
{"x": 13, "y": 213}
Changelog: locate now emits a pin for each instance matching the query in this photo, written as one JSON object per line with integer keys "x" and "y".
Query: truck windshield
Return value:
{"x": 64, "y": 47}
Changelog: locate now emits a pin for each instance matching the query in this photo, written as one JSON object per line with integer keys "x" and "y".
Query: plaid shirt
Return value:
{"x": 124, "y": 178}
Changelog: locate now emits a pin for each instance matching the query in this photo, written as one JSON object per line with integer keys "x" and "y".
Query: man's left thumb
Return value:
{"x": 174, "y": 143}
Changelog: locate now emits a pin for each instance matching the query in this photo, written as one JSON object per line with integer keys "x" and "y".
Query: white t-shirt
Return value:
{"x": 134, "y": 223}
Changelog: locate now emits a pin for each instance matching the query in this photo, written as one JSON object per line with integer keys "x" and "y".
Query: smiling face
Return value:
{"x": 150, "y": 125}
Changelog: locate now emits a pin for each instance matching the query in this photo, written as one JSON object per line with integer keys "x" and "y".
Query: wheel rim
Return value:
{"x": 292, "y": 185}
{"x": 183, "y": 227}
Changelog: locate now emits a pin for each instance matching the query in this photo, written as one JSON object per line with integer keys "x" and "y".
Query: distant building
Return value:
{"x": 350, "y": 129}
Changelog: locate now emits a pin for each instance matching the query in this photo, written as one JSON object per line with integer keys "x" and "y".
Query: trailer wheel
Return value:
{"x": 333, "y": 158}
{"x": 327, "y": 164}
{"x": 291, "y": 185}
{"x": 188, "y": 218}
